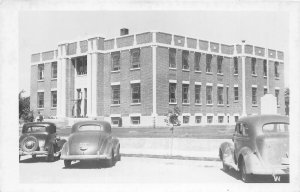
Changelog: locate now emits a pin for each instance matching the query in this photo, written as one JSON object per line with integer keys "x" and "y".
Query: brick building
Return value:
{"x": 134, "y": 79}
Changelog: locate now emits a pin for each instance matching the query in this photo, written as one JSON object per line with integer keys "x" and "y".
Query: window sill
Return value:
{"x": 235, "y": 101}
{"x": 220, "y": 74}
{"x": 228, "y": 105}
{"x": 277, "y": 78}
{"x": 53, "y": 108}
{"x": 185, "y": 103}
{"x": 254, "y": 75}
{"x": 278, "y": 106}
{"x": 220, "y": 105}
{"x": 41, "y": 80}
{"x": 209, "y": 104}
{"x": 135, "y": 69}
{"x": 115, "y": 105}
{"x": 83, "y": 75}
{"x": 41, "y": 108}
{"x": 198, "y": 104}
{"x": 209, "y": 73}
{"x": 54, "y": 79}
{"x": 254, "y": 105}
{"x": 173, "y": 103}
{"x": 115, "y": 71}
{"x": 172, "y": 68}
{"x": 198, "y": 72}
{"x": 236, "y": 74}
{"x": 132, "y": 104}
{"x": 265, "y": 77}
{"x": 187, "y": 70}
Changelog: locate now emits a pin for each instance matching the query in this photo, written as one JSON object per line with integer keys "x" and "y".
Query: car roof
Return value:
{"x": 39, "y": 124}
{"x": 105, "y": 124}
{"x": 263, "y": 119}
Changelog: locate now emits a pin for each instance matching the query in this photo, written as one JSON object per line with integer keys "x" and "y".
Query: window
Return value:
{"x": 172, "y": 92}
{"x": 54, "y": 70}
{"x": 198, "y": 119}
{"x": 40, "y": 99}
{"x": 236, "y": 93}
{"x": 253, "y": 66}
{"x": 197, "y": 61}
{"x": 115, "y": 94}
{"x": 209, "y": 119}
{"x": 172, "y": 58}
{"x": 241, "y": 129}
{"x": 91, "y": 128}
{"x": 208, "y": 63}
{"x": 277, "y": 96}
{"x": 185, "y": 60}
{"x": 235, "y": 66}
{"x": 254, "y": 96}
{"x": 185, "y": 93}
{"x": 265, "y": 68}
{"x": 227, "y": 95}
{"x": 208, "y": 94}
{"x": 81, "y": 65}
{"x": 136, "y": 93}
{"x": 220, "y": 62}
{"x": 236, "y": 118}
{"x": 276, "y": 66}
{"x": 135, "y": 120}
{"x": 220, "y": 119}
{"x": 40, "y": 71}
{"x": 186, "y": 119}
{"x": 116, "y": 121}
{"x": 115, "y": 61}
{"x": 135, "y": 58}
{"x": 220, "y": 95}
{"x": 276, "y": 128}
{"x": 265, "y": 91}
{"x": 198, "y": 94}
{"x": 53, "y": 98}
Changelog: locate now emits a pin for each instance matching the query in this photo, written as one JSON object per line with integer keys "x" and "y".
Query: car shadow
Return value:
{"x": 89, "y": 164}
{"x": 257, "y": 178}
{"x": 38, "y": 159}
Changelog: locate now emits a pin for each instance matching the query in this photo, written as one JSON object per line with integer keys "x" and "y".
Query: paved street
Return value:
{"x": 128, "y": 170}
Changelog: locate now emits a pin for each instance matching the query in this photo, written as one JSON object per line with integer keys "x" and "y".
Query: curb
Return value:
{"x": 178, "y": 157}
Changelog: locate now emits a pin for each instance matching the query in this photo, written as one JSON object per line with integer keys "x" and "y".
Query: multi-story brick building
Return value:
{"x": 134, "y": 79}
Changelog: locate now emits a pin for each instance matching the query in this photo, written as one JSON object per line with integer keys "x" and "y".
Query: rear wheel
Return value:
{"x": 110, "y": 162}
{"x": 244, "y": 176}
{"x": 67, "y": 163}
{"x": 50, "y": 156}
{"x": 225, "y": 167}
{"x": 118, "y": 155}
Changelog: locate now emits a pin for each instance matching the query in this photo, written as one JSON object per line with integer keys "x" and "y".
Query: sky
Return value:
{"x": 41, "y": 31}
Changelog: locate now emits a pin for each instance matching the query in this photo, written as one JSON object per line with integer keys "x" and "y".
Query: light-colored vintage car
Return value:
{"x": 91, "y": 140}
{"x": 260, "y": 147}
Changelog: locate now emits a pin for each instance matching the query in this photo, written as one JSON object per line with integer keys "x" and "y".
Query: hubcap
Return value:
{"x": 29, "y": 144}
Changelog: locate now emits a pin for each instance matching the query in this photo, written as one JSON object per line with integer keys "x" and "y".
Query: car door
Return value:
{"x": 242, "y": 138}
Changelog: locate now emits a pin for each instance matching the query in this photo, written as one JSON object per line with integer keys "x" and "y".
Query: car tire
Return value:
{"x": 26, "y": 140}
{"x": 244, "y": 176}
{"x": 225, "y": 167}
{"x": 50, "y": 156}
{"x": 118, "y": 155}
{"x": 110, "y": 162}
{"x": 67, "y": 163}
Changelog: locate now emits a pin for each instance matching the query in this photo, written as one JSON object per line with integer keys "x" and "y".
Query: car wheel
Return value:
{"x": 244, "y": 176}
{"x": 50, "y": 156}
{"x": 118, "y": 155}
{"x": 225, "y": 167}
{"x": 67, "y": 163}
{"x": 110, "y": 162}
{"x": 29, "y": 143}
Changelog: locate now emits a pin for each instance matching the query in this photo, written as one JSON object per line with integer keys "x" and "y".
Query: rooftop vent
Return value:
{"x": 124, "y": 31}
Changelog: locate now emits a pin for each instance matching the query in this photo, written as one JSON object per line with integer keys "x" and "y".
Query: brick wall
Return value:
{"x": 227, "y": 49}
{"x": 125, "y": 41}
{"x": 144, "y": 38}
{"x": 214, "y": 47}
{"x": 109, "y": 44}
{"x": 259, "y": 51}
{"x": 249, "y": 49}
{"x": 35, "y": 57}
{"x": 179, "y": 40}
{"x": 203, "y": 45}
{"x": 163, "y": 38}
{"x": 271, "y": 53}
{"x": 191, "y": 43}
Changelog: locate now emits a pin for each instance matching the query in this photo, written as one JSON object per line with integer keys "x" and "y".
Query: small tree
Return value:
{"x": 172, "y": 118}
{"x": 24, "y": 108}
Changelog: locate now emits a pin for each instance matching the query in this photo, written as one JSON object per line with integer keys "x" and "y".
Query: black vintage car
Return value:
{"x": 40, "y": 139}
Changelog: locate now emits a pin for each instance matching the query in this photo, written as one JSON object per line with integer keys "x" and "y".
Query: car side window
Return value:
{"x": 244, "y": 128}
{"x": 238, "y": 129}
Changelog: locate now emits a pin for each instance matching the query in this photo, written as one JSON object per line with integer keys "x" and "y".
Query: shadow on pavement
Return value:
{"x": 39, "y": 159}
{"x": 87, "y": 165}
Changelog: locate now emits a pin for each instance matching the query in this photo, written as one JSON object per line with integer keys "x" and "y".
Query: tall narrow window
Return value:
{"x": 185, "y": 93}
{"x": 54, "y": 70}
{"x": 220, "y": 119}
{"x": 276, "y": 67}
{"x": 135, "y": 58}
{"x": 135, "y": 120}
{"x": 220, "y": 95}
{"x": 265, "y": 68}
{"x": 172, "y": 58}
{"x": 53, "y": 98}
{"x": 220, "y": 63}
{"x": 197, "y": 61}
{"x": 208, "y": 63}
{"x": 40, "y": 99}
{"x": 277, "y": 96}
{"x": 254, "y": 96}
{"x": 265, "y": 91}
{"x": 209, "y": 119}
{"x": 186, "y": 119}
{"x": 172, "y": 92}
{"x": 208, "y": 94}
{"x": 236, "y": 93}
{"x": 227, "y": 95}
{"x": 115, "y": 61}
{"x": 197, "y": 94}
{"x": 198, "y": 119}
{"x": 40, "y": 71}
{"x": 185, "y": 60}
{"x": 81, "y": 65}
{"x": 253, "y": 66}
{"x": 136, "y": 92}
{"x": 115, "y": 94}
{"x": 235, "y": 65}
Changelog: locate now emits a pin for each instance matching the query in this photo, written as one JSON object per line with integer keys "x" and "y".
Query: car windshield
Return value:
{"x": 90, "y": 128}
{"x": 276, "y": 128}
{"x": 35, "y": 129}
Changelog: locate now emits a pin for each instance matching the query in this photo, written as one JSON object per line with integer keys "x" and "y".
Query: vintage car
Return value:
{"x": 40, "y": 138}
{"x": 260, "y": 147}
{"x": 91, "y": 140}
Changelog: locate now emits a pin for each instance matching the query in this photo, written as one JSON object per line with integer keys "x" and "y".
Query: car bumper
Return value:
{"x": 272, "y": 171}
{"x": 84, "y": 157}
{"x": 21, "y": 153}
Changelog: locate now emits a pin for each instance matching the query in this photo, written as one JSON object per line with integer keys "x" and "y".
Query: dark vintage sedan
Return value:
{"x": 40, "y": 139}
{"x": 91, "y": 140}
{"x": 260, "y": 147}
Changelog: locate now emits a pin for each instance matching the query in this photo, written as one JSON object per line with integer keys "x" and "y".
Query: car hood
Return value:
{"x": 87, "y": 143}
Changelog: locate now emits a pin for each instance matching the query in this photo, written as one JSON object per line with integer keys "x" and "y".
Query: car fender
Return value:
{"x": 65, "y": 149}
{"x": 251, "y": 160}
{"x": 226, "y": 150}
